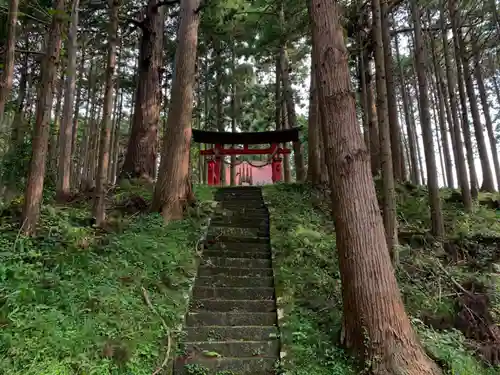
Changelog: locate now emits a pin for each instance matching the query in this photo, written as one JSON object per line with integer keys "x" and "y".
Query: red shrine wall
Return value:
{"x": 260, "y": 176}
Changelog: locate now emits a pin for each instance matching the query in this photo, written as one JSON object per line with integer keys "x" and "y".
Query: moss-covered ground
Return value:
{"x": 309, "y": 290}
{"x": 78, "y": 300}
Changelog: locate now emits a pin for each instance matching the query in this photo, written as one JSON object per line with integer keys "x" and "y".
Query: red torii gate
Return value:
{"x": 220, "y": 139}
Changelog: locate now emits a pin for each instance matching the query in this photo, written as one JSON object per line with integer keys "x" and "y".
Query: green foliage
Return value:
{"x": 14, "y": 165}
{"x": 309, "y": 289}
{"x": 71, "y": 301}
{"x": 308, "y": 283}
{"x": 449, "y": 347}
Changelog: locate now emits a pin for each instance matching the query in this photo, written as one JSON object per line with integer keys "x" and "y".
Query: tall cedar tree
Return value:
{"x": 389, "y": 194}
{"x": 48, "y": 77}
{"x": 102, "y": 169}
{"x": 173, "y": 189}
{"x": 8, "y": 71}
{"x": 432, "y": 180}
{"x": 140, "y": 159}
{"x": 458, "y": 150}
{"x": 377, "y": 328}
{"x": 66, "y": 131}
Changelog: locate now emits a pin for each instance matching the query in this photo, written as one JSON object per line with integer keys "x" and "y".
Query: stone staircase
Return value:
{"x": 231, "y": 326}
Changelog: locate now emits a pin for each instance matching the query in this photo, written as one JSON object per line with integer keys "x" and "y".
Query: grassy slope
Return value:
{"x": 71, "y": 300}
{"x": 308, "y": 281}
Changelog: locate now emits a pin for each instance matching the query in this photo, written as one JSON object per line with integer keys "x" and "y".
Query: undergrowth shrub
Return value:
{"x": 309, "y": 290}
{"x": 72, "y": 299}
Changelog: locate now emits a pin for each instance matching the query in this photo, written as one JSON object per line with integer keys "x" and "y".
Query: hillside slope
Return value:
{"x": 439, "y": 285}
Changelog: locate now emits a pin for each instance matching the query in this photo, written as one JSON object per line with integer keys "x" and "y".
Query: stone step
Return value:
{"x": 202, "y": 292}
{"x": 231, "y": 281}
{"x": 238, "y": 246}
{"x": 233, "y": 305}
{"x": 207, "y": 318}
{"x": 242, "y": 206}
{"x": 228, "y": 196}
{"x": 242, "y": 212}
{"x": 237, "y": 254}
{"x": 237, "y": 189}
{"x": 232, "y": 239}
{"x": 237, "y": 262}
{"x": 241, "y": 222}
{"x": 238, "y": 232}
{"x": 235, "y": 349}
{"x": 237, "y": 333}
{"x": 232, "y": 271}
{"x": 236, "y": 366}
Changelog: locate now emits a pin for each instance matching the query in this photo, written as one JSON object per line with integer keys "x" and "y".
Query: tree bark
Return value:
{"x": 389, "y": 194}
{"x": 19, "y": 123}
{"x": 432, "y": 180}
{"x": 8, "y": 68}
{"x": 219, "y": 113}
{"x": 414, "y": 174}
{"x": 442, "y": 112}
{"x": 55, "y": 131}
{"x": 140, "y": 159}
{"x": 300, "y": 172}
{"x": 457, "y": 134}
{"x": 376, "y": 325}
{"x": 173, "y": 189}
{"x": 487, "y": 117}
{"x": 395, "y": 131}
{"x": 36, "y": 176}
{"x": 66, "y": 129}
{"x": 234, "y": 112}
{"x": 488, "y": 181}
{"x": 314, "y": 147}
{"x": 102, "y": 169}
{"x": 373, "y": 124}
{"x": 286, "y": 158}
{"x": 363, "y": 91}
{"x": 463, "y": 103}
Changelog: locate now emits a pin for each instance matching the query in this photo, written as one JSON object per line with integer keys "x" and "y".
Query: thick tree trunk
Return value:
{"x": 432, "y": 180}
{"x": 376, "y": 325}
{"x": 457, "y": 134}
{"x": 389, "y": 194}
{"x": 173, "y": 190}
{"x": 487, "y": 117}
{"x": 102, "y": 169}
{"x": 36, "y": 176}
{"x": 8, "y": 67}
{"x": 140, "y": 159}
{"x": 66, "y": 131}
